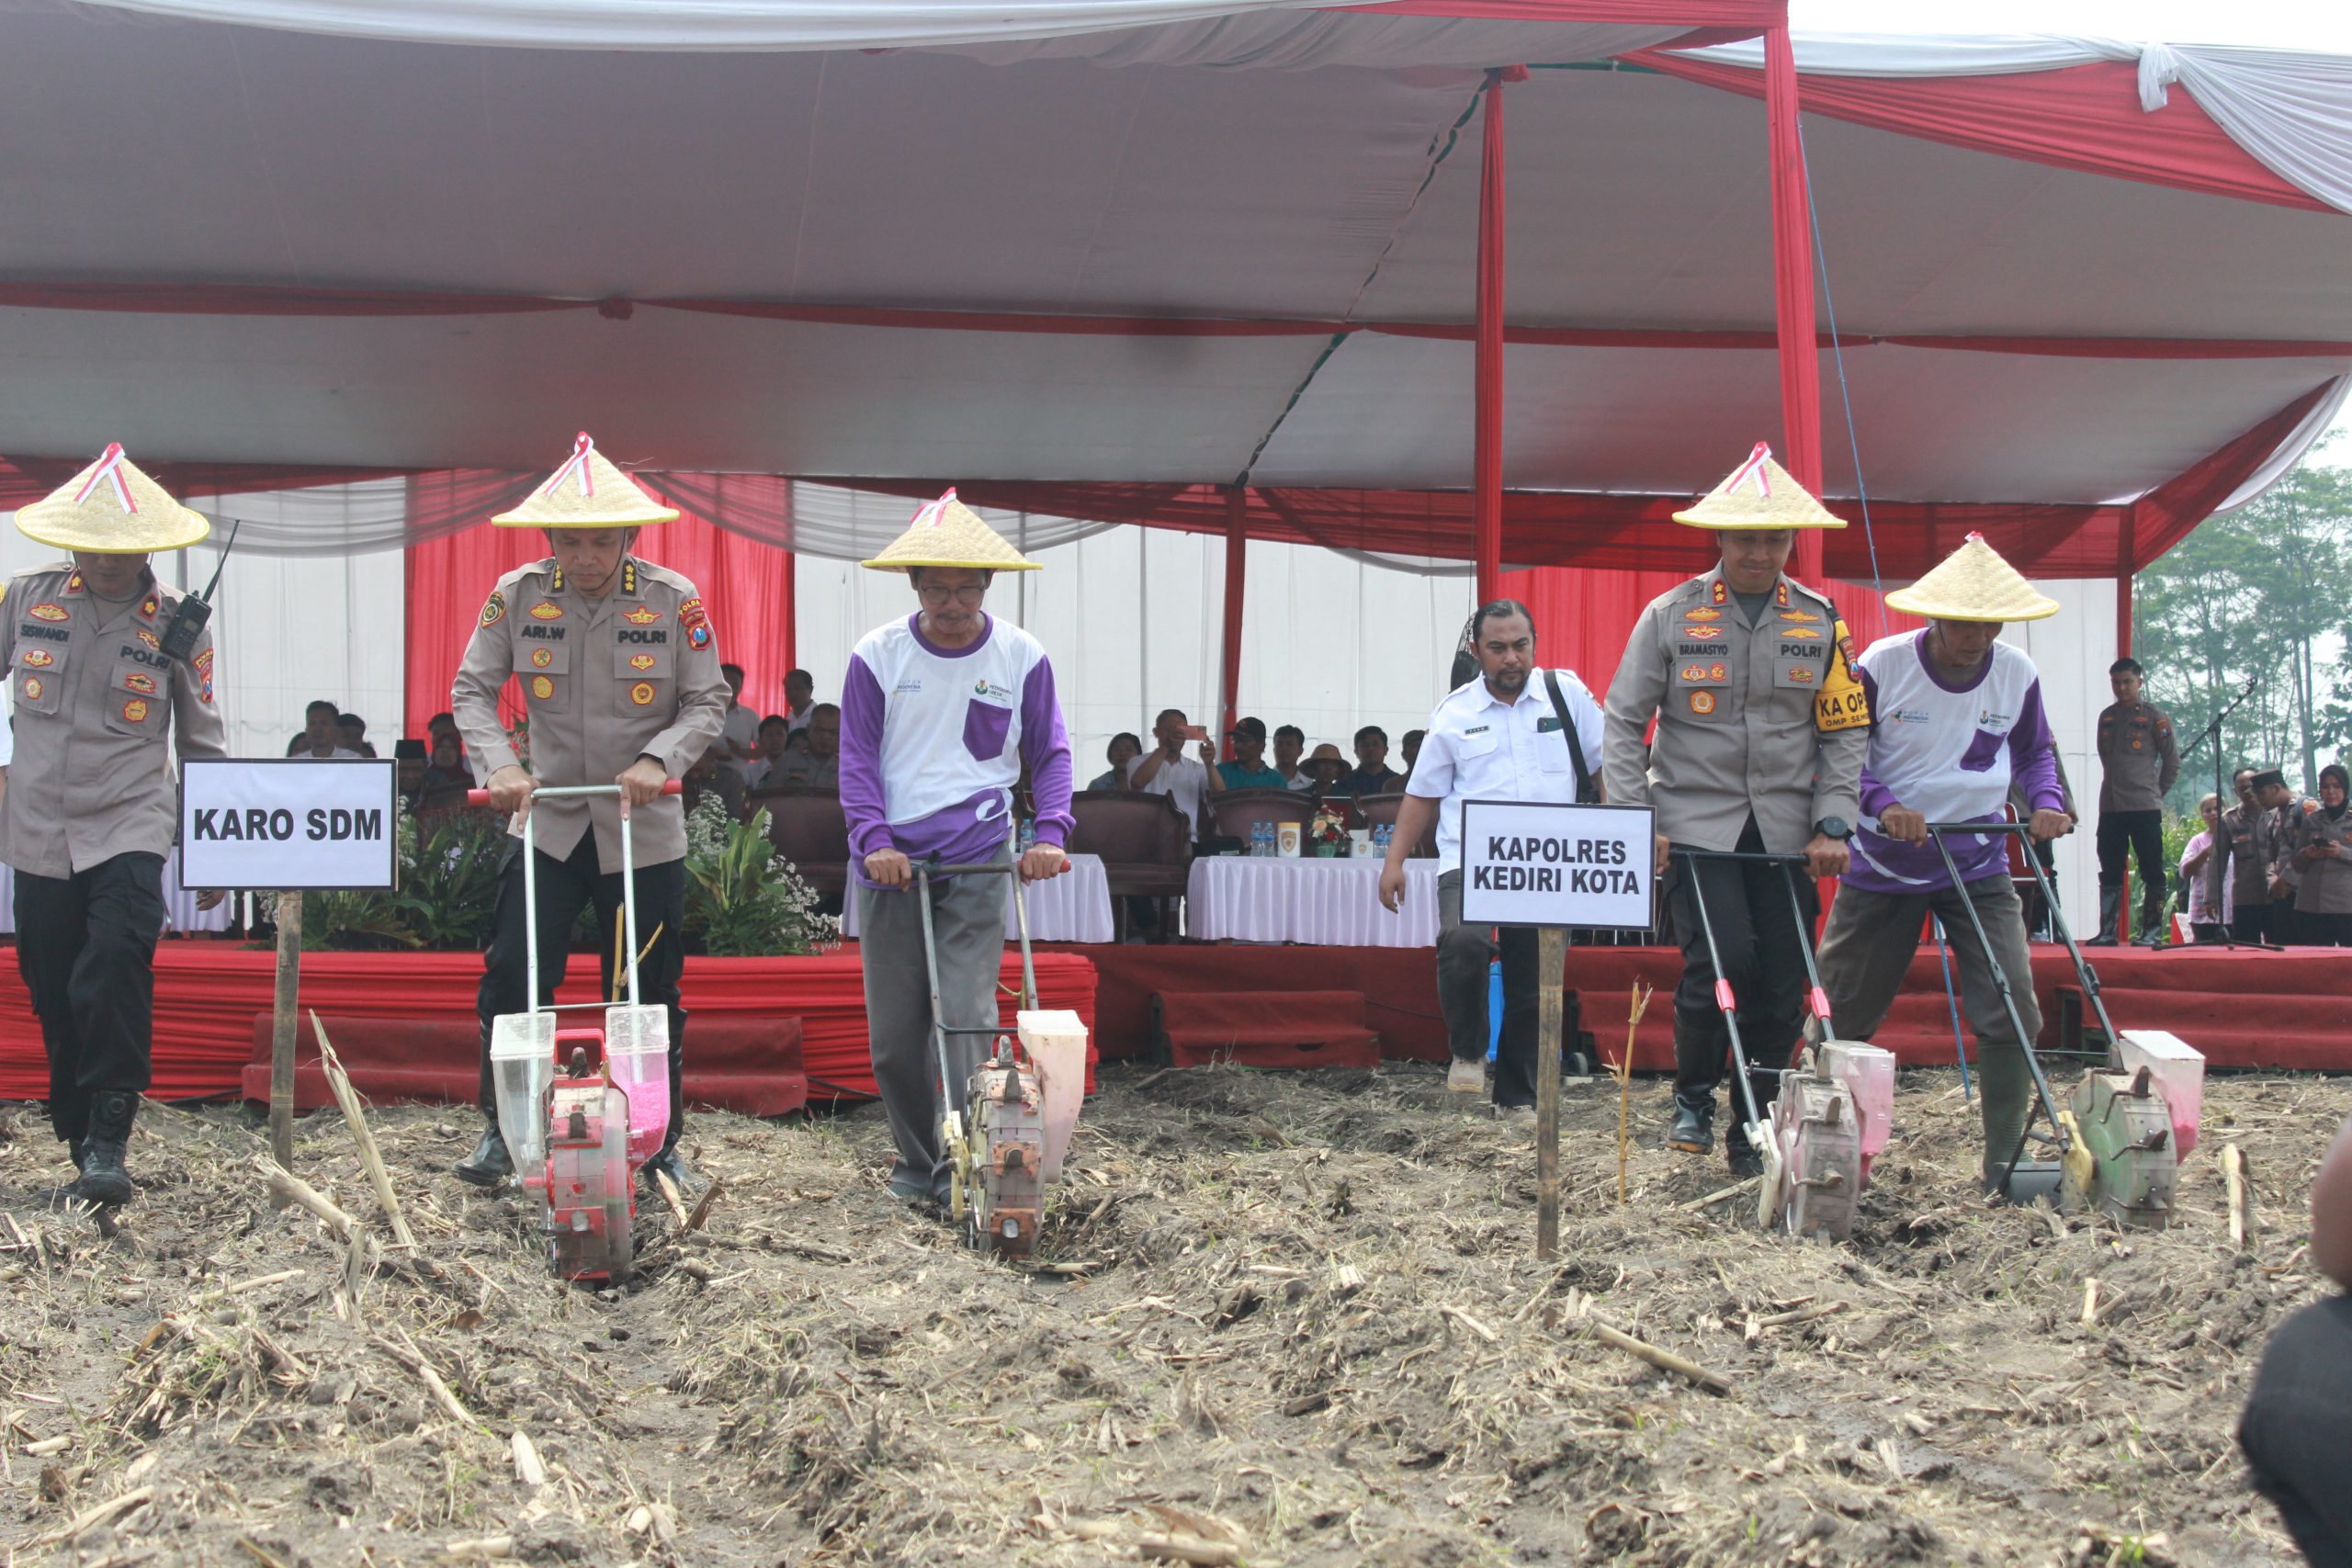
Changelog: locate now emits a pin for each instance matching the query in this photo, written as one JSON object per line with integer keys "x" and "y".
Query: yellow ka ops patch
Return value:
{"x": 1840, "y": 704}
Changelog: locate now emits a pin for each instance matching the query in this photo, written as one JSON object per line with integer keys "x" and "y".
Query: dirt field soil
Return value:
{"x": 1302, "y": 1324}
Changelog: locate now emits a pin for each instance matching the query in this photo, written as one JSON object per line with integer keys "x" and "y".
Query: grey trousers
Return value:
{"x": 968, "y": 924}
{"x": 1869, "y": 945}
{"x": 1462, "y": 955}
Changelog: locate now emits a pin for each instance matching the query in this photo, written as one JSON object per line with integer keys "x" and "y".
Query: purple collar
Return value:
{"x": 914, "y": 625}
{"x": 1920, "y": 645}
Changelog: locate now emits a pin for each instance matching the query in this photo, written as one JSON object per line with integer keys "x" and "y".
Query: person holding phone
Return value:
{"x": 1165, "y": 770}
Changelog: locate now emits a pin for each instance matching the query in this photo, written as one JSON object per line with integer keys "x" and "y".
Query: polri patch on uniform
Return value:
{"x": 1702, "y": 613}
{"x": 642, "y": 615}
{"x": 134, "y": 681}
{"x": 641, "y": 661}
{"x": 542, "y": 687}
{"x": 36, "y": 658}
{"x": 546, "y": 610}
{"x": 1703, "y": 701}
{"x": 1702, "y": 634}
{"x": 1801, "y": 673}
{"x": 73, "y": 583}
{"x": 147, "y": 606}
{"x": 1799, "y": 633}
{"x": 204, "y": 675}
{"x": 46, "y": 610}
{"x": 642, "y": 693}
{"x": 697, "y": 621}
{"x": 1799, "y": 615}
{"x": 32, "y": 688}
{"x": 494, "y": 609}
{"x": 150, "y": 639}
{"x": 542, "y": 656}
{"x": 135, "y": 710}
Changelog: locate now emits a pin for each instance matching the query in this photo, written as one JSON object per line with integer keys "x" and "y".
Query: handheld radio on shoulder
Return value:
{"x": 190, "y": 615}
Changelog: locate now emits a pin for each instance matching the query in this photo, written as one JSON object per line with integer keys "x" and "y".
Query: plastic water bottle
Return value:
{"x": 1028, "y": 835}
{"x": 1262, "y": 839}
{"x": 1381, "y": 834}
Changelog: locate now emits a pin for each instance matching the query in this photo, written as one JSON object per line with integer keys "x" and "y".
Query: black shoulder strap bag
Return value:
{"x": 1586, "y": 794}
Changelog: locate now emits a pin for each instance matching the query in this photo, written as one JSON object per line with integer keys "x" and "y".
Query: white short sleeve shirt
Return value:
{"x": 1184, "y": 781}
{"x": 1481, "y": 748}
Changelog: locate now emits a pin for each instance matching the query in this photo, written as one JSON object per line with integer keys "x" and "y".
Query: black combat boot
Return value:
{"x": 103, "y": 1181}
{"x": 2154, "y": 929}
{"x": 2110, "y": 917}
{"x": 1693, "y": 1128}
{"x": 489, "y": 1164}
{"x": 80, "y": 1149}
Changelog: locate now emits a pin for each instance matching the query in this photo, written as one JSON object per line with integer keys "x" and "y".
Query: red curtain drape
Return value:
{"x": 746, "y": 584}
{"x": 2079, "y": 116}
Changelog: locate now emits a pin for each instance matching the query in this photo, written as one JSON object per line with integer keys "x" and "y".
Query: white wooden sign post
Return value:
{"x": 289, "y": 824}
{"x": 1554, "y": 866}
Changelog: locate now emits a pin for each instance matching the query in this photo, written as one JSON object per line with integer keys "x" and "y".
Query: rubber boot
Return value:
{"x": 2110, "y": 917}
{"x": 1746, "y": 1158}
{"x": 103, "y": 1181}
{"x": 1693, "y": 1128}
{"x": 490, "y": 1163}
{"x": 2154, "y": 929}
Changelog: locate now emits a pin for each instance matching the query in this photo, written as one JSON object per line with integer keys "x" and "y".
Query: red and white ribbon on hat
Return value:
{"x": 934, "y": 512}
{"x": 110, "y": 469}
{"x": 577, "y": 463}
{"x": 1752, "y": 468}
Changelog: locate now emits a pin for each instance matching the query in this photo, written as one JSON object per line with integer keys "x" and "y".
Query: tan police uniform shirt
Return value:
{"x": 2325, "y": 887}
{"x": 2139, "y": 755}
{"x": 98, "y": 706}
{"x": 603, "y": 681}
{"x": 1767, "y": 719}
{"x": 2242, "y": 859}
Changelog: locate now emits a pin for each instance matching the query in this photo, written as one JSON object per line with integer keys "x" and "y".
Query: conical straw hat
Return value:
{"x": 1759, "y": 494}
{"x": 587, "y": 492}
{"x": 111, "y": 508}
{"x": 1973, "y": 583}
{"x": 946, "y": 533}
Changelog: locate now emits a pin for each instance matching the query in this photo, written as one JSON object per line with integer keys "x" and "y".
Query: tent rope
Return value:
{"x": 1845, "y": 393}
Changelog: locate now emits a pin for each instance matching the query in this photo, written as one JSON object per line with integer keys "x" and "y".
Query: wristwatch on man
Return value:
{"x": 1834, "y": 828}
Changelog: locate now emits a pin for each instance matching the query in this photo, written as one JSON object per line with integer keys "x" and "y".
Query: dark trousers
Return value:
{"x": 2141, "y": 833}
{"x": 565, "y": 888}
{"x": 2314, "y": 930}
{"x": 86, "y": 946}
{"x": 2253, "y": 923}
{"x": 1757, "y": 932}
{"x": 2297, "y": 1429}
{"x": 1464, "y": 954}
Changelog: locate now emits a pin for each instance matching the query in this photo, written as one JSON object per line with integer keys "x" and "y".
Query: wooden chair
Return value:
{"x": 1145, "y": 843}
{"x": 1236, "y": 813}
{"x": 808, "y": 827}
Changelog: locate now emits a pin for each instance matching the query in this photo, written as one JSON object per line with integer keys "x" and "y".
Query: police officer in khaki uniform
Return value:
{"x": 1761, "y": 731}
{"x": 618, "y": 668}
{"x": 2242, "y": 861}
{"x": 92, "y": 802}
{"x": 2141, "y": 759}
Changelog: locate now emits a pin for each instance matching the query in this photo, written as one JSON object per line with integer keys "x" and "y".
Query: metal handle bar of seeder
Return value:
{"x": 924, "y": 871}
{"x": 531, "y": 875}
{"x": 1726, "y": 1003}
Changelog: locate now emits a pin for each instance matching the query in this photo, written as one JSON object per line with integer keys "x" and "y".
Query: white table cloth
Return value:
{"x": 1323, "y": 903}
{"x": 180, "y": 913}
{"x": 1073, "y": 907}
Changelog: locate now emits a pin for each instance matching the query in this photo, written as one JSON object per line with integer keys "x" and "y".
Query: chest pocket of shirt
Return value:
{"x": 986, "y": 725}
{"x": 136, "y": 697}
{"x": 1798, "y": 663}
{"x": 1701, "y": 689}
{"x": 40, "y": 675}
{"x": 546, "y": 687}
{"x": 644, "y": 672}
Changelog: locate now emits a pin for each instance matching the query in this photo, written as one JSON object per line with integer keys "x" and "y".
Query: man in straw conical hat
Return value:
{"x": 1758, "y": 749}
{"x": 939, "y": 712}
{"x": 92, "y": 804}
{"x": 1958, "y": 718}
{"x": 617, "y": 667}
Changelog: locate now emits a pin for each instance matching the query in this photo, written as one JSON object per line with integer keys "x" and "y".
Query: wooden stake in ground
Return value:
{"x": 1640, "y": 1005}
{"x": 369, "y": 1156}
{"x": 1551, "y": 957}
{"x": 2241, "y": 1194}
{"x": 283, "y": 1016}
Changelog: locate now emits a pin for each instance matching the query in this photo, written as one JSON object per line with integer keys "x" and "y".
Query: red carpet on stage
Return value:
{"x": 2242, "y": 1009}
{"x": 207, "y": 994}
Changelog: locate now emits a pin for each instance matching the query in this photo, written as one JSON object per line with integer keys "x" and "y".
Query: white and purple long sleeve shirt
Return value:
{"x": 1948, "y": 752}
{"x": 932, "y": 739}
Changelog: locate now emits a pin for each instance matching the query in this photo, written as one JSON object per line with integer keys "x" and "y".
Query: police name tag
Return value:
{"x": 1534, "y": 864}
{"x": 288, "y": 824}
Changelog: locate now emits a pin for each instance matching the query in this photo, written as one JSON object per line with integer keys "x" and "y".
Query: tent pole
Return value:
{"x": 1793, "y": 287}
{"x": 1237, "y": 560}
{"x": 2129, "y": 546}
{"x": 1486, "y": 368}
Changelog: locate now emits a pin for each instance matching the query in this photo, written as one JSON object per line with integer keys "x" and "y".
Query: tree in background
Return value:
{"x": 2261, "y": 595}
